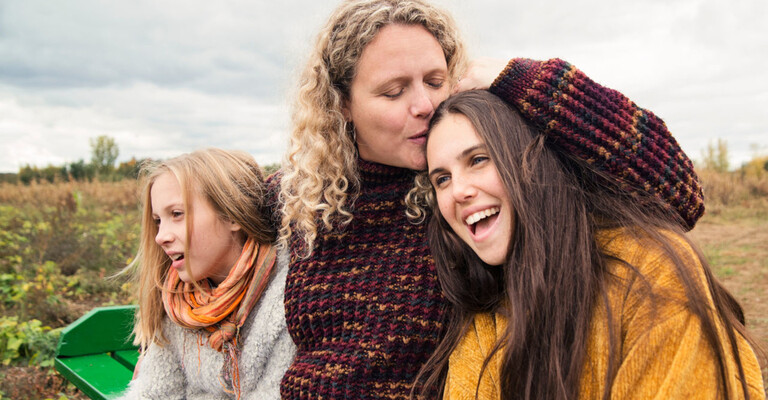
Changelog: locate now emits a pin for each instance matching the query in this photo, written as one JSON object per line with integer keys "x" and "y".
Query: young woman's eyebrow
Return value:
{"x": 435, "y": 171}
{"x": 463, "y": 154}
{"x": 470, "y": 150}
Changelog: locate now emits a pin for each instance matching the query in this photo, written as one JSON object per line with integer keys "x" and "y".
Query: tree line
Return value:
{"x": 104, "y": 153}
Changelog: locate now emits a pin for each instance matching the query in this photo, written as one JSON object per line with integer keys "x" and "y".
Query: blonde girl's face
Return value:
{"x": 470, "y": 194}
{"x": 401, "y": 78}
{"x": 213, "y": 245}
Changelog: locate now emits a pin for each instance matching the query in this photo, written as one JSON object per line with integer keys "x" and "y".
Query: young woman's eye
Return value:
{"x": 440, "y": 180}
{"x": 156, "y": 221}
{"x": 478, "y": 159}
{"x": 177, "y": 214}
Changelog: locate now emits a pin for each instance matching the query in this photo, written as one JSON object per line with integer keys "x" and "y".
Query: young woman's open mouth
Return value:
{"x": 482, "y": 222}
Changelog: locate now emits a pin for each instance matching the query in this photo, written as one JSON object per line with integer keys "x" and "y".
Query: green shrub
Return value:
{"x": 27, "y": 342}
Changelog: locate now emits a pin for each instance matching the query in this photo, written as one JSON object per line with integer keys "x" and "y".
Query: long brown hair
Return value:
{"x": 556, "y": 270}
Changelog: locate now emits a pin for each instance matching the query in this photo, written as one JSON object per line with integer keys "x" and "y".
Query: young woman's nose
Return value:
{"x": 463, "y": 188}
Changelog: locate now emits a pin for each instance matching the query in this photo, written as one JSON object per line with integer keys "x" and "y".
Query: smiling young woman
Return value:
{"x": 469, "y": 192}
{"x": 561, "y": 244}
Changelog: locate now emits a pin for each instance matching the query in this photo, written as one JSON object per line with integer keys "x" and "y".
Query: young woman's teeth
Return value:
{"x": 472, "y": 219}
{"x": 177, "y": 257}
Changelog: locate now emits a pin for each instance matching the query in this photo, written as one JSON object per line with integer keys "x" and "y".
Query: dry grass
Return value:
{"x": 734, "y": 236}
{"x": 121, "y": 195}
{"x": 734, "y": 190}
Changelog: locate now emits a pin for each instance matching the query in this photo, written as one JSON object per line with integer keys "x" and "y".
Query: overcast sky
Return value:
{"x": 163, "y": 77}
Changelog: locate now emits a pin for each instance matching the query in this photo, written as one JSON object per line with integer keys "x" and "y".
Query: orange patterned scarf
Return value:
{"x": 220, "y": 312}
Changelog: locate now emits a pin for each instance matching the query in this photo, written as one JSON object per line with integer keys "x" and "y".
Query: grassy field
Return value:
{"x": 60, "y": 243}
{"x": 734, "y": 236}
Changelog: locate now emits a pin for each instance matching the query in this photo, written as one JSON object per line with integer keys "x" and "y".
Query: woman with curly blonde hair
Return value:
{"x": 362, "y": 300}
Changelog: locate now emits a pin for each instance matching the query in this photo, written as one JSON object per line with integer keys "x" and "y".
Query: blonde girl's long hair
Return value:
{"x": 231, "y": 182}
{"x": 320, "y": 178}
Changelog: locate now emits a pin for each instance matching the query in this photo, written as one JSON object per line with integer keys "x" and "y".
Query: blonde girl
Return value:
{"x": 209, "y": 282}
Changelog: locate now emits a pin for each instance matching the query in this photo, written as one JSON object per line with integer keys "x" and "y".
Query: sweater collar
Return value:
{"x": 371, "y": 172}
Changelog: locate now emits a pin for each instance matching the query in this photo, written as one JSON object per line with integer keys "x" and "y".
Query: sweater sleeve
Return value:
{"x": 664, "y": 351}
{"x": 605, "y": 128}
{"x": 268, "y": 349}
{"x": 160, "y": 375}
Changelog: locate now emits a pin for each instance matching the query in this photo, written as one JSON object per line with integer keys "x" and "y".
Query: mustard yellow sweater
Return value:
{"x": 663, "y": 353}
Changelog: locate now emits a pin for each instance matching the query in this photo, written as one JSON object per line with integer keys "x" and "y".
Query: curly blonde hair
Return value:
{"x": 320, "y": 177}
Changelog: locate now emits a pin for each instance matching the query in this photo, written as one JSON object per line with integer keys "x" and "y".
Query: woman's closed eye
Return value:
{"x": 435, "y": 83}
{"x": 394, "y": 93}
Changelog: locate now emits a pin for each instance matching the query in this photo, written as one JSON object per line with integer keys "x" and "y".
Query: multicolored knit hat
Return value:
{"x": 580, "y": 116}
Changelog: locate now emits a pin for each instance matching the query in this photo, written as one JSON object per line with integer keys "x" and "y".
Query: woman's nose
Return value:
{"x": 163, "y": 235}
{"x": 422, "y": 106}
{"x": 463, "y": 189}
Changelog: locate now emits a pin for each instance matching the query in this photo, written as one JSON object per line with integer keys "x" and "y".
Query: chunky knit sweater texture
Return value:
{"x": 604, "y": 128}
{"x": 365, "y": 308}
{"x": 662, "y": 350}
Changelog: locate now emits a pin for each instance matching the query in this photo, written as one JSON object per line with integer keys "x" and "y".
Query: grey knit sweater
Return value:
{"x": 183, "y": 369}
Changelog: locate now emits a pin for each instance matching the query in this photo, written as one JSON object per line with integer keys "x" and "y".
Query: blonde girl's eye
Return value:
{"x": 176, "y": 214}
{"x": 156, "y": 221}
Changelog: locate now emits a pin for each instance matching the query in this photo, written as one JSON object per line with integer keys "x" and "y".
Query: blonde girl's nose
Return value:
{"x": 163, "y": 235}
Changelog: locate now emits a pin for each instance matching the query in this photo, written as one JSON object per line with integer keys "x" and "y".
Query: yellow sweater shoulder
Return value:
{"x": 662, "y": 351}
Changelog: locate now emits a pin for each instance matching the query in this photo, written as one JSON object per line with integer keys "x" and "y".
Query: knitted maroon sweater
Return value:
{"x": 365, "y": 308}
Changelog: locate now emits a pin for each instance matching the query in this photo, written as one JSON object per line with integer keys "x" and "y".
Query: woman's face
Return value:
{"x": 213, "y": 246}
{"x": 401, "y": 77}
{"x": 470, "y": 194}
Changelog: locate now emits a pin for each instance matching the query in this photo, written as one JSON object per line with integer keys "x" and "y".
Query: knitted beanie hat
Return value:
{"x": 605, "y": 128}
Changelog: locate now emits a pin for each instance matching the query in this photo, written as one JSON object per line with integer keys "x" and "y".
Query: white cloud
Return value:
{"x": 54, "y": 126}
{"x": 163, "y": 77}
{"x": 698, "y": 64}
